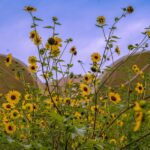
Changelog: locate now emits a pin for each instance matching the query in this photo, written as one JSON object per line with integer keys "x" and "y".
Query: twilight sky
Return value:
{"x": 78, "y": 18}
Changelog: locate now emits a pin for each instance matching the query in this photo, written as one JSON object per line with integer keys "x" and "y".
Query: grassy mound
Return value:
{"x": 15, "y": 76}
{"x": 124, "y": 74}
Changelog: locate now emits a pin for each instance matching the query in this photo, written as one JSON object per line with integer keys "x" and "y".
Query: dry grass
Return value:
{"x": 124, "y": 73}
{"x": 8, "y": 76}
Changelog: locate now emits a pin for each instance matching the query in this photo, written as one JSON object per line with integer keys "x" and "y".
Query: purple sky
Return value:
{"x": 78, "y": 18}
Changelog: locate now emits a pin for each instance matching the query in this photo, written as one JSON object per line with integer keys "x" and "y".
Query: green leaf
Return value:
{"x": 48, "y": 27}
{"x": 69, "y": 65}
{"x": 110, "y": 45}
{"x": 55, "y": 68}
{"x": 111, "y": 41}
{"x": 34, "y": 25}
{"x": 50, "y": 74}
{"x": 113, "y": 28}
{"x": 60, "y": 60}
{"x": 99, "y": 26}
{"x": 131, "y": 47}
{"x": 68, "y": 40}
{"x": 57, "y": 23}
{"x": 115, "y": 37}
{"x": 38, "y": 19}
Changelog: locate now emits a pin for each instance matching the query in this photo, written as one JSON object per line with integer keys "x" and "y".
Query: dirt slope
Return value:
{"x": 14, "y": 76}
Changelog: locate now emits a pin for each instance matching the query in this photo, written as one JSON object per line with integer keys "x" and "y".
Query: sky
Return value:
{"x": 78, "y": 19}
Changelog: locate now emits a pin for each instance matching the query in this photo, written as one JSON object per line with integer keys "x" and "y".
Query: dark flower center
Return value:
{"x": 33, "y": 68}
{"x": 101, "y": 20}
{"x": 51, "y": 41}
{"x": 96, "y": 57}
{"x": 34, "y": 107}
{"x": 140, "y": 88}
{"x": 13, "y": 97}
{"x": 10, "y": 128}
{"x": 130, "y": 9}
{"x": 85, "y": 89}
{"x": 73, "y": 49}
{"x": 96, "y": 109}
{"x": 113, "y": 98}
{"x": 68, "y": 101}
{"x": 32, "y": 36}
{"x": 86, "y": 78}
{"x": 7, "y": 59}
{"x": 8, "y": 106}
{"x": 14, "y": 114}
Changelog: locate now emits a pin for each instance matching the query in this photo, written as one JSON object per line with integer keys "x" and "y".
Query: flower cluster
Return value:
{"x": 76, "y": 111}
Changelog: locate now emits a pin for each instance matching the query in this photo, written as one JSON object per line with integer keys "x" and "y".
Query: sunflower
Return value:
{"x": 85, "y": 89}
{"x": 10, "y": 128}
{"x": 135, "y": 68}
{"x": 30, "y": 9}
{"x": 77, "y": 115}
{"x": 138, "y": 115}
{"x": 33, "y": 68}
{"x": 114, "y": 97}
{"x": 73, "y": 50}
{"x": 139, "y": 88}
{"x": 67, "y": 101}
{"x": 32, "y": 60}
{"x": 87, "y": 78}
{"x": 120, "y": 123}
{"x": 48, "y": 103}
{"x": 130, "y": 9}
{"x": 138, "y": 120}
{"x": 7, "y": 106}
{"x": 112, "y": 141}
{"x": 13, "y": 97}
{"x": 137, "y": 107}
{"x": 123, "y": 138}
{"x": 42, "y": 123}
{"x": 8, "y": 60}
{"x": 29, "y": 117}
{"x": 5, "y": 120}
{"x": 28, "y": 107}
{"x": 37, "y": 40}
{"x": 148, "y": 33}
{"x": 141, "y": 73}
{"x": 101, "y": 20}
{"x": 95, "y": 108}
{"x": 95, "y": 57}
{"x": 113, "y": 116}
{"x": 28, "y": 97}
{"x": 55, "y": 52}
{"x": 35, "y": 107}
{"x": 14, "y": 114}
{"x": 33, "y": 34}
{"x": 137, "y": 126}
{"x": 53, "y": 43}
{"x": 117, "y": 50}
